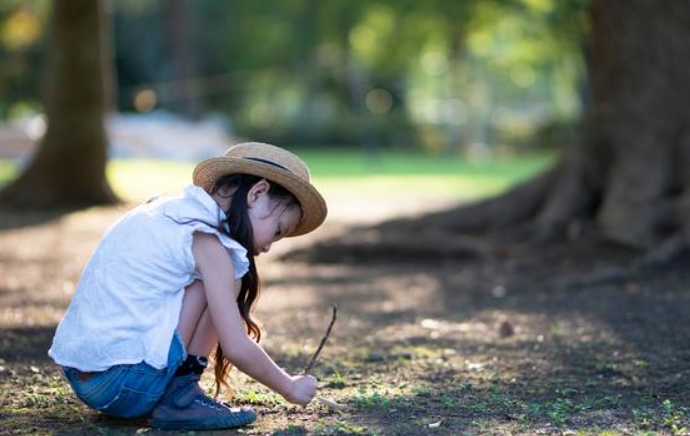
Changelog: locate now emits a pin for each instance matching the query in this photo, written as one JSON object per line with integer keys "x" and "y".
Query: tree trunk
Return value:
{"x": 178, "y": 27}
{"x": 629, "y": 175}
{"x": 641, "y": 113}
{"x": 69, "y": 168}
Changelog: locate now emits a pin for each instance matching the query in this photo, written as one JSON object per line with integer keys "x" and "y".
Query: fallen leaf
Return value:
{"x": 436, "y": 424}
{"x": 331, "y": 404}
{"x": 430, "y": 324}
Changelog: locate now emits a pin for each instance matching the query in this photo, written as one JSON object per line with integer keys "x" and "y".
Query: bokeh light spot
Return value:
{"x": 145, "y": 100}
{"x": 379, "y": 101}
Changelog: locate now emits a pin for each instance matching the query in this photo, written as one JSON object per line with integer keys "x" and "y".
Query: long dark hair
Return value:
{"x": 238, "y": 226}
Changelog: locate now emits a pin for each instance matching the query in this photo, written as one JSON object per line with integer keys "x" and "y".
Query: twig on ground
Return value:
{"x": 310, "y": 365}
{"x": 331, "y": 404}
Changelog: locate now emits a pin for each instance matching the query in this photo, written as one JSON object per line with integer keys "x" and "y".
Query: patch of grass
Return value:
{"x": 343, "y": 428}
{"x": 256, "y": 397}
{"x": 335, "y": 170}
{"x": 142, "y": 179}
{"x": 336, "y": 380}
{"x": 559, "y": 411}
{"x": 132, "y": 179}
{"x": 291, "y": 430}
{"x": 395, "y": 400}
{"x": 8, "y": 171}
{"x": 666, "y": 416}
{"x": 354, "y": 163}
{"x": 375, "y": 398}
{"x": 416, "y": 173}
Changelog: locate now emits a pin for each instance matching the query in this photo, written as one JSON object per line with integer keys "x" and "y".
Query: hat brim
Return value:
{"x": 314, "y": 209}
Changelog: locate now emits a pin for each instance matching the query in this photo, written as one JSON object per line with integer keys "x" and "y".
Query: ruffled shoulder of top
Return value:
{"x": 197, "y": 211}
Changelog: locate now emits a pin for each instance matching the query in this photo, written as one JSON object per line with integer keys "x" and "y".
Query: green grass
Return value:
{"x": 339, "y": 163}
{"x": 143, "y": 179}
{"x": 8, "y": 171}
{"x": 334, "y": 171}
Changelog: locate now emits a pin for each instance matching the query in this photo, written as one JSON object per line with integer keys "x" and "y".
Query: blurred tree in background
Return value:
{"x": 69, "y": 167}
{"x": 461, "y": 77}
{"x": 626, "y": 179}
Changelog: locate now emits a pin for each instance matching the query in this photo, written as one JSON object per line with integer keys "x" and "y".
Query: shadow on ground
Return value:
{"x": 13, "y": 218}
{"x": 521, "y": 337}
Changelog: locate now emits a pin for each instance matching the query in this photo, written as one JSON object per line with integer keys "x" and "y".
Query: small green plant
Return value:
{"x": 341, "y": 428}
{"x": 373, "y": 399}
{"x": 338, "y": 377}
{"x": 668, "y": 416}
{"x": 642, "y": 419}
{"x": 449, "y": 401}
{"x": 252, "y": 396}
{"x": 673, "y": 418}
{"x": 559, "y": 412}
{"x": 291, "y": 430}
{"x": 478, "y": 407}
{"x": 567, "y": 391}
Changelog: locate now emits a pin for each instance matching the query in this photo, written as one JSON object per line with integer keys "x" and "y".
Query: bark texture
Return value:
{"x": 629, "y": 175}
{"x": 69, "y": 168}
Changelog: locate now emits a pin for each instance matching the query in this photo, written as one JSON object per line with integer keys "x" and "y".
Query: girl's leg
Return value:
{"x": 195, "y": 326}
{"x": 184, "y": 404}
{"x": 205, "y": 338}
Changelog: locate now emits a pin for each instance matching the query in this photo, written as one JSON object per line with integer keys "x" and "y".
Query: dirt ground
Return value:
{"x": 432, "y": 337}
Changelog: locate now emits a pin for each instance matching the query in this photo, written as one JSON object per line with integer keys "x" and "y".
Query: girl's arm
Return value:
{"x": 217, "y": 272}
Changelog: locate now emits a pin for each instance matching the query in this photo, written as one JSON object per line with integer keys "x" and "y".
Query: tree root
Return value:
{"x": 603, "y": 277}
{"x": 515, "y": 206}
{"x": 670, "y": 249}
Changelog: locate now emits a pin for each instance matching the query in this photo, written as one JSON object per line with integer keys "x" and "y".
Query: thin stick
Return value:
{"x": 310, "y": 365}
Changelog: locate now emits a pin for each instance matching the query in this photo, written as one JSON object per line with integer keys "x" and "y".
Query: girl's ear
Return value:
{"x": 255, "y": 192}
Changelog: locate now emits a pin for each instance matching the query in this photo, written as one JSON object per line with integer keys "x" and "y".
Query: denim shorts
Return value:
{"x": 127, "y": 391}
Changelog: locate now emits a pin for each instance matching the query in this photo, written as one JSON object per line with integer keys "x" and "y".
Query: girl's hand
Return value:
{"x": 302, "y": 389}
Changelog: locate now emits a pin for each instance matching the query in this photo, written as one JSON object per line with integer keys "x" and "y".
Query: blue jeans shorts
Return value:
{"x": 127, "y": 391}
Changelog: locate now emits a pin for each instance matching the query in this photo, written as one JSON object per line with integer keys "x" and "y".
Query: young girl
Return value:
{"x": 175, "y": 278}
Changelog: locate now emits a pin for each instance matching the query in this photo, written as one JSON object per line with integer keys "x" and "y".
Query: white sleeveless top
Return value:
{"x": 127, "y": 304}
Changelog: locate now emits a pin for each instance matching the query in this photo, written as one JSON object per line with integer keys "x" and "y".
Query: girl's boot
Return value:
{"x": 185, "y": 406}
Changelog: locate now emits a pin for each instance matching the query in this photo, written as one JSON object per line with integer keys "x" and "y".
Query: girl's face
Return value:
{"x": 271, "y": 219}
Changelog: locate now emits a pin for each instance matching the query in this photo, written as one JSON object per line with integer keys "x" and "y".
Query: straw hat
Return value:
{"x": 274, "y": 164}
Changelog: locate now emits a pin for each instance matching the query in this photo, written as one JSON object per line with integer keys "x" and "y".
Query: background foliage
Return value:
{"x": 476, "y": 76}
